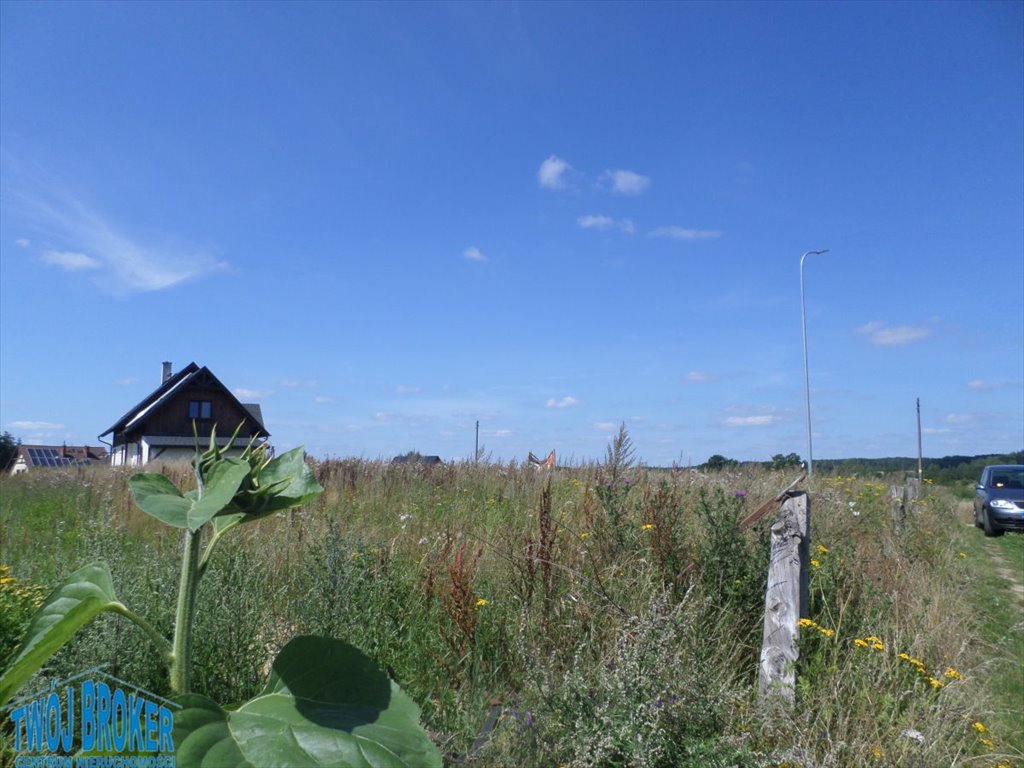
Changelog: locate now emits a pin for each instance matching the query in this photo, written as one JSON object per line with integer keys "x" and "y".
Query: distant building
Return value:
{"x": 416, "y": 458}
{"x": 31, "y": 457}
{"x": 161, "y": 426}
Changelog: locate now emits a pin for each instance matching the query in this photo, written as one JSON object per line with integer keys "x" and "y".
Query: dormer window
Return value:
{"x": 200, "y": 410}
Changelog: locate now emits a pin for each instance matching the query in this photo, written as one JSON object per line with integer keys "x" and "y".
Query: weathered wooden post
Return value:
{"x": 898, "y": 506}
{"x": 786, "y": 599}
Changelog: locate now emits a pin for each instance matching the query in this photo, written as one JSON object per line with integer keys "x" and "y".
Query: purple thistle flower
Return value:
{"x": 741, "y": 494}
{"x": 529, "y": 718}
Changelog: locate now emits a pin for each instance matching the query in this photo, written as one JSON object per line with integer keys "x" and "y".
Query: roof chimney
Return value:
{"x": 166, "y": 372}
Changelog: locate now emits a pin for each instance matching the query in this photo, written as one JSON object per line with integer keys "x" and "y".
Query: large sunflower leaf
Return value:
{"x": 325, "y": 704}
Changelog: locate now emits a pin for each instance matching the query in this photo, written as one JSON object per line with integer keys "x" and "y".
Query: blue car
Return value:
{"x": 999, "y": 499}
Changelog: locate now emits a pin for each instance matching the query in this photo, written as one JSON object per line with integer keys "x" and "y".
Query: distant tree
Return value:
{"x": 8, "y": 449}
{"x": 785, "y": 462}
{"x": 719, "y": 462}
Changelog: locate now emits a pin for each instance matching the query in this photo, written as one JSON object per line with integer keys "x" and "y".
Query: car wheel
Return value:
{"x": 977, "y": 519}
{"x": 990, "y": 530}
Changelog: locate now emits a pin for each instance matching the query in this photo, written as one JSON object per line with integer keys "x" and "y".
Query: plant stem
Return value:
{"x": 161, "y": 642}
{"x": 181, "y": 664}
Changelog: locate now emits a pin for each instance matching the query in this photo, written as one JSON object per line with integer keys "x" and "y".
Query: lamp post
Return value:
{"x": 807, "y": 379}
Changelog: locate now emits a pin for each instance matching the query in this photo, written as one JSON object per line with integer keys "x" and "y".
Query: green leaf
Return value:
{"x": 159, "y": 497}
{"x": 201, "y": 735}
{"x": 325, "y": 704}
{"x": 219, "y": 488}
{"x": 84, "y": 594}
{"x": 292, "y": 466}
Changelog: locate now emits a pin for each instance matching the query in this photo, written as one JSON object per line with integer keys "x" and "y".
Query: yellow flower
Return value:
{"x": 934, "y": 683}
{"x": 806, "y": 623}
{"x": 815, "y": 563}
{"x": 986, "y": 742}
{"x": 873, "y": 639}
{"x": 878, "y": 646}
{"x": 8, "y": 580}
{"x": 481, "y": 603}
{"x": 979, "y": 727}
{"x": 826, "y": 632}
{"x": 584, "y": 535}
{"x": 952, "y": 673}
{"x": 904, "y": 655}
{"x": 961, "y": 554}
{"x": 860, "y": 643}
{"x": 822, "y": 550}
{"x": 876, "y": 753}
{"x": 646, "y": 526}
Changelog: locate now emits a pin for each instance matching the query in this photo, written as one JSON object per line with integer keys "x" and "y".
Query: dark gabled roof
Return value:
{"x": 177, "y": 381}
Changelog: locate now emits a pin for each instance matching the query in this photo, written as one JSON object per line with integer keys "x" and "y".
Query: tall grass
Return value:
{"x": 611, "y": 615}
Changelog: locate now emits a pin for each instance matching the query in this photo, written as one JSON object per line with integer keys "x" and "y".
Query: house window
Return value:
{"x": 199, "y": 409}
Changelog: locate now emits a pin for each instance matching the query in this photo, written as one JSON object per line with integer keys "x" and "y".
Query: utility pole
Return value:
{"x": 920, "y": 469}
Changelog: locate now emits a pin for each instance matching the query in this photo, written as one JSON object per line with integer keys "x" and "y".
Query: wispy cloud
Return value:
{"x": 563, "y": 402}
{"x": 323, "y": 399}
{"x": 959, "y": 418}
{"x": 606, "y": 426}
{"x": 980, "y": 385}
{"x": 604, "y": 223}
{"x": 38, "y": 426}
{"x": 622, "y": 182}
{"x": 251, "y": 394}
{"x": 23, "y": 242}
{"x": 552, "y": 173}
{"x": 300, "y": 383}
{"x": 754, "y": 416}
{"x": 700, "y": 376}
{"x": 84, "y": 239}
{"x": 474, "y": 254}
{"x": 70, "y": 261}
{"x": 885, "y": 335}
{"x": 760, "y": 420}
{"x": 404, "y": 389}
{"x": 682, "y": 233}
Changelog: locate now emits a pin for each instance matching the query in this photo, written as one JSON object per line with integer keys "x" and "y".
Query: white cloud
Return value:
{"x": 982, "y": 386}
{"x": 700, "y": 376}
{"x": 592, "y": 221}
{"x": 250, "y": 394}
{"x": 500, "y": 433}
{"x": 762, "y": 420}
{"x": 959, "y": 418}
{"x": 69, "y": 260}
{"x": 323, "y": 399}
{"x": 41, "y": 426}
{"x": 474, "y": 254}
{"x": 564, "y": 402}
{"x": 122, "y": 264}
{"x": 681, "y": 233}
{"x": 23, "y": 242}
{"x": 406, "y": 390}
{"x": 626, "y": 182}
{"x": 552, "y": 172}
{"x": 934, "y": 431}
{"x": 603, "y": 223}
{"x": 606, "y": 426}
{"x": 884, "y": 335}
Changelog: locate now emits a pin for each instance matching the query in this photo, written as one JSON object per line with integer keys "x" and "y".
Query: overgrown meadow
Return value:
{"x": 599, "y": 615}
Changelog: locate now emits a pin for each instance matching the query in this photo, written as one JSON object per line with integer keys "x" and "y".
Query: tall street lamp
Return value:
{"x": 807, "y": 379}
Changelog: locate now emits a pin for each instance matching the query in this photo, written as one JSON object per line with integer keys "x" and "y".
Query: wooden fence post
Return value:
{"x": 786, "y": 598}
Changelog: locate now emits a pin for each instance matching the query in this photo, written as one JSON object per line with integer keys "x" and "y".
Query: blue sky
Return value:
{"x": 384, "y": 222}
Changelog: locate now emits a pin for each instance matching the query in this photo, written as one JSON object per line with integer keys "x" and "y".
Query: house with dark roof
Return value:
{"x": 164, "y": 424}
{"x": 30, "y": 457}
